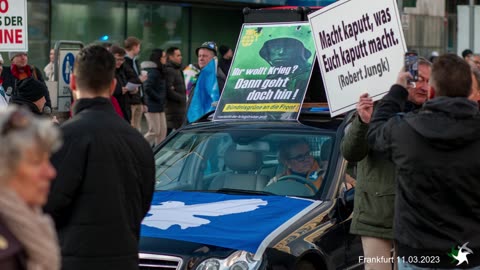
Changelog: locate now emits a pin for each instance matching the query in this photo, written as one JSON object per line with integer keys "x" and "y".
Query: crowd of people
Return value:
{"x": 81, "y": 208}
{"x": 155, "y": 88}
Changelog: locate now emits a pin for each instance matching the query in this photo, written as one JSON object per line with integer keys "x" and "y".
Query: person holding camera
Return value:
{"x": 375, "y": 189}
{"x": 437, "y": 209}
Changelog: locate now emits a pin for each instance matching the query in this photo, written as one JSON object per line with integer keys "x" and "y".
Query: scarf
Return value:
{"x": 21, "y": 74}
{"x": 33, "y": 229}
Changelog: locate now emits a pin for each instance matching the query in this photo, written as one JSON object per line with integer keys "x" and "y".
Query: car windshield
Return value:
{"x": 278, "y": 162}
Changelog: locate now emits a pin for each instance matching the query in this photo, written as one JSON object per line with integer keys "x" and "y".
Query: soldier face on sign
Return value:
{"x": 284, "y": 52}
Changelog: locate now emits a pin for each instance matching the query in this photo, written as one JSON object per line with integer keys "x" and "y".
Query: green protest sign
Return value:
{"x": 270, "y": 72}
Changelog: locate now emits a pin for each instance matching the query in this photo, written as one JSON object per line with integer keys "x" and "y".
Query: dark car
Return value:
{"x": 236, "y": 162}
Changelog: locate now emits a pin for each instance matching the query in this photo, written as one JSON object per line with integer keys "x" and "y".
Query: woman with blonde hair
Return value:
{"x": 27, "y": 236}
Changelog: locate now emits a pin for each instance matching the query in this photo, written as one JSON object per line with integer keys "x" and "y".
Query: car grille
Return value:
{"x": 159, "y": 262}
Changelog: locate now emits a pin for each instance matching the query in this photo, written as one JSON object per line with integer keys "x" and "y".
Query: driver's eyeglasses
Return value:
{"x": 301, "y": 157}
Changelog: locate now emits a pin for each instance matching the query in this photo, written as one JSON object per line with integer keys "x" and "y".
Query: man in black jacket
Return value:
{"x": 176, "y": 101}
{"x": 31, "y": 95}
{"x": 105, "y": 174}
{"x": 437, "y": 208}
{"x": 137, "y": 104}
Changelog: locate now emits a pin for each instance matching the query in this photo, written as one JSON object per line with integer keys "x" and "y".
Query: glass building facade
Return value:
{"x": 159, "y": 24}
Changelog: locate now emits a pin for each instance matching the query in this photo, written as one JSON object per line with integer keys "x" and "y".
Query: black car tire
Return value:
{"x": 305, "y": 265}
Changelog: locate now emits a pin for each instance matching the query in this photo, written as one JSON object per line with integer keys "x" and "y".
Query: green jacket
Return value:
{"x": 375, "y": 186}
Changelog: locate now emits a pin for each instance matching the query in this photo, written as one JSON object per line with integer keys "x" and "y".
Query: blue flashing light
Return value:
{"x": 319, "y": 109}
{"x": 104, "y": 38}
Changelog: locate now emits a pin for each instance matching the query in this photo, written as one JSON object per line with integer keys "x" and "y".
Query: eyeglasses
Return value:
{"x": 301, "y": 157}
{"x": 119, "y": 59}
{"x": 422, "y": 80}
{"x": 18, "y": 119}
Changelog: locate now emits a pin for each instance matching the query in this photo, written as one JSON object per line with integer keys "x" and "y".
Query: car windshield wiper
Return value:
{"x": 242, "y": 191}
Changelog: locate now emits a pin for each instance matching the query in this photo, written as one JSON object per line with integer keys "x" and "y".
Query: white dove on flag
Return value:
{"x": 171, "y": 213}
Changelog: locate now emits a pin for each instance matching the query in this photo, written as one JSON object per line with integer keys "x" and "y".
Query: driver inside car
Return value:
{"x": 295, "y": 155}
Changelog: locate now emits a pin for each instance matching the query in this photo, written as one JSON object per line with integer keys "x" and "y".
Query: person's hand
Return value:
{"x": 403, "y": 77}
{"x": 365, "y": 108}
{"x": 55, "y": 120}
{"x": 350, "y": 181}
{"x": 144, "y": 108}
{"x": 124, "y": 90}
{"x": 134, "y": 91}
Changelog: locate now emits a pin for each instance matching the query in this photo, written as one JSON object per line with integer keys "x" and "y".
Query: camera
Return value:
{"x": 411, "y": 65}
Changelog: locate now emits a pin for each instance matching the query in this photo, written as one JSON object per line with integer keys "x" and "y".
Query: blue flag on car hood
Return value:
{"x": 233, "y": 221}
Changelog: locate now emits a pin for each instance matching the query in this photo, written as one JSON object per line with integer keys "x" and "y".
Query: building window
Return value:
{"x": 158, "y": 26}
{"x": 88, "y": 21}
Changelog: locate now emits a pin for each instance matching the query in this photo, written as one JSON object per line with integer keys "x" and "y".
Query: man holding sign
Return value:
{"x": 437, "y": 223}
{"x": 375, "y": 190}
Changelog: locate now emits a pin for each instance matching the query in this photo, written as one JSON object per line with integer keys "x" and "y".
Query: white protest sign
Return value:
{"x": 13, "y": 25}
{"x": 360, "y": 48}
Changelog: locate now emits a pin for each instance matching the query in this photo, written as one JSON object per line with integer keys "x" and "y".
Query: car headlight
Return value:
{"x": 239, "y": 260}
{"x": 209, "y": 264}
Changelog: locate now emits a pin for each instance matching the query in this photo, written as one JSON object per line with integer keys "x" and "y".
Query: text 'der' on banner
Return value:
{"x": 13, "y": 25}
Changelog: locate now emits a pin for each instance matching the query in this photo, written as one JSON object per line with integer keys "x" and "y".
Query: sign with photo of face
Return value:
{"x": 270, "y": 73}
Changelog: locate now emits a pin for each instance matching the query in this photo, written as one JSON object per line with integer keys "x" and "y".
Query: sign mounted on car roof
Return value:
{"x": 360, "y": 49}
{"x": 269, "y": 73}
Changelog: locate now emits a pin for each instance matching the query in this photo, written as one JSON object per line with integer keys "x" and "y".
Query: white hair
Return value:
{"x": 16, "y": 138}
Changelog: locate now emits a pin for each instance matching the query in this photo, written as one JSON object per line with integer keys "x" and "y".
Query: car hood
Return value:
{"x": 240, "y": 222}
